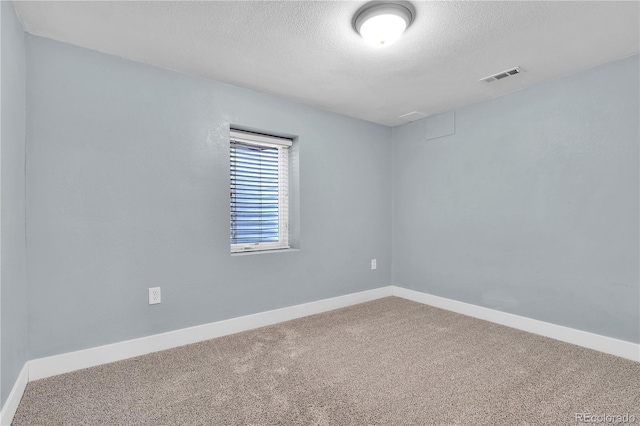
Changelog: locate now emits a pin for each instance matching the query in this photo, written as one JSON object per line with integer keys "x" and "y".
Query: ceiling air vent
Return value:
{"x": 501, "y": 75}
{"x": 413, "y": 116}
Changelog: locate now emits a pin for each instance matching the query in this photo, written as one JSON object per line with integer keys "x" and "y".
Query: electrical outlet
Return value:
{"x": 374, "y": 264}
{"x": 154, "y": 295}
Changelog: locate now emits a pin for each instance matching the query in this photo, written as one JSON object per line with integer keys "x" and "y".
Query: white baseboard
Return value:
{"x": 597, "y": 342}
{"x": 64, "y": 363}
{"x": 12, "y": 402}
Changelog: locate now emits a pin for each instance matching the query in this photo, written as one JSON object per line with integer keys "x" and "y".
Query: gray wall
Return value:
{"x": 128, "y": 188}
{"x": 13, "y": 281}
{"x": 531, "y": 207}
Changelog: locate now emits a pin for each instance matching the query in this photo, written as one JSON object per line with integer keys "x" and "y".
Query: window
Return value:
{"x": 259, "y": 192}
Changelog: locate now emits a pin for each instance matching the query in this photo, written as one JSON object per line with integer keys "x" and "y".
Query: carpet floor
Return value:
{"x": 385, "y": 362}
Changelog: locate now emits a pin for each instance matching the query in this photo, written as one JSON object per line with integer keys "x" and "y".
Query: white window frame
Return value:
{"x": 283, "y": 146}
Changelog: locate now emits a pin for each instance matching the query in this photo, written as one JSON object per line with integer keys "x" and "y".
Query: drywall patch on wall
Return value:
{"x": 440, "y": 125}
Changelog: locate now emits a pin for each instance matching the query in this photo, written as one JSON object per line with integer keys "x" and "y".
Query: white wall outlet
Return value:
{"x": 154, "y": 295}
{"x": 374, "y": 264}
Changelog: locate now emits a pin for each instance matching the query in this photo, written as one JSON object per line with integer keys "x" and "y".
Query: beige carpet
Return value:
{"x": 386, "y": 362}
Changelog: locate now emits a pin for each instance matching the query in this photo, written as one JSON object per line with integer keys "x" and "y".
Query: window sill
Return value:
{"x": 250, "y": 253}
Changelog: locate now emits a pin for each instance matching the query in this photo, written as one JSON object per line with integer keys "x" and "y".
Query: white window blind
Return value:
{"x": 259, "y": 192}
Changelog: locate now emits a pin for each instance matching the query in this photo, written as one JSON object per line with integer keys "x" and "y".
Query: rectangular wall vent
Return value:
{"x": 501, "y": 75}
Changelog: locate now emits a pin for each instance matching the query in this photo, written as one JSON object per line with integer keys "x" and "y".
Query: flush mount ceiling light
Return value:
{"x": 382, "y": 23}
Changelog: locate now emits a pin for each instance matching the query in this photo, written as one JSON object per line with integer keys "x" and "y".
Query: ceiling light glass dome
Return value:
{"x": 383, "y": 23}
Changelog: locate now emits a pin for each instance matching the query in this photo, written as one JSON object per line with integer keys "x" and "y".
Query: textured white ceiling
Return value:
{"x": 307, "y": 51}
